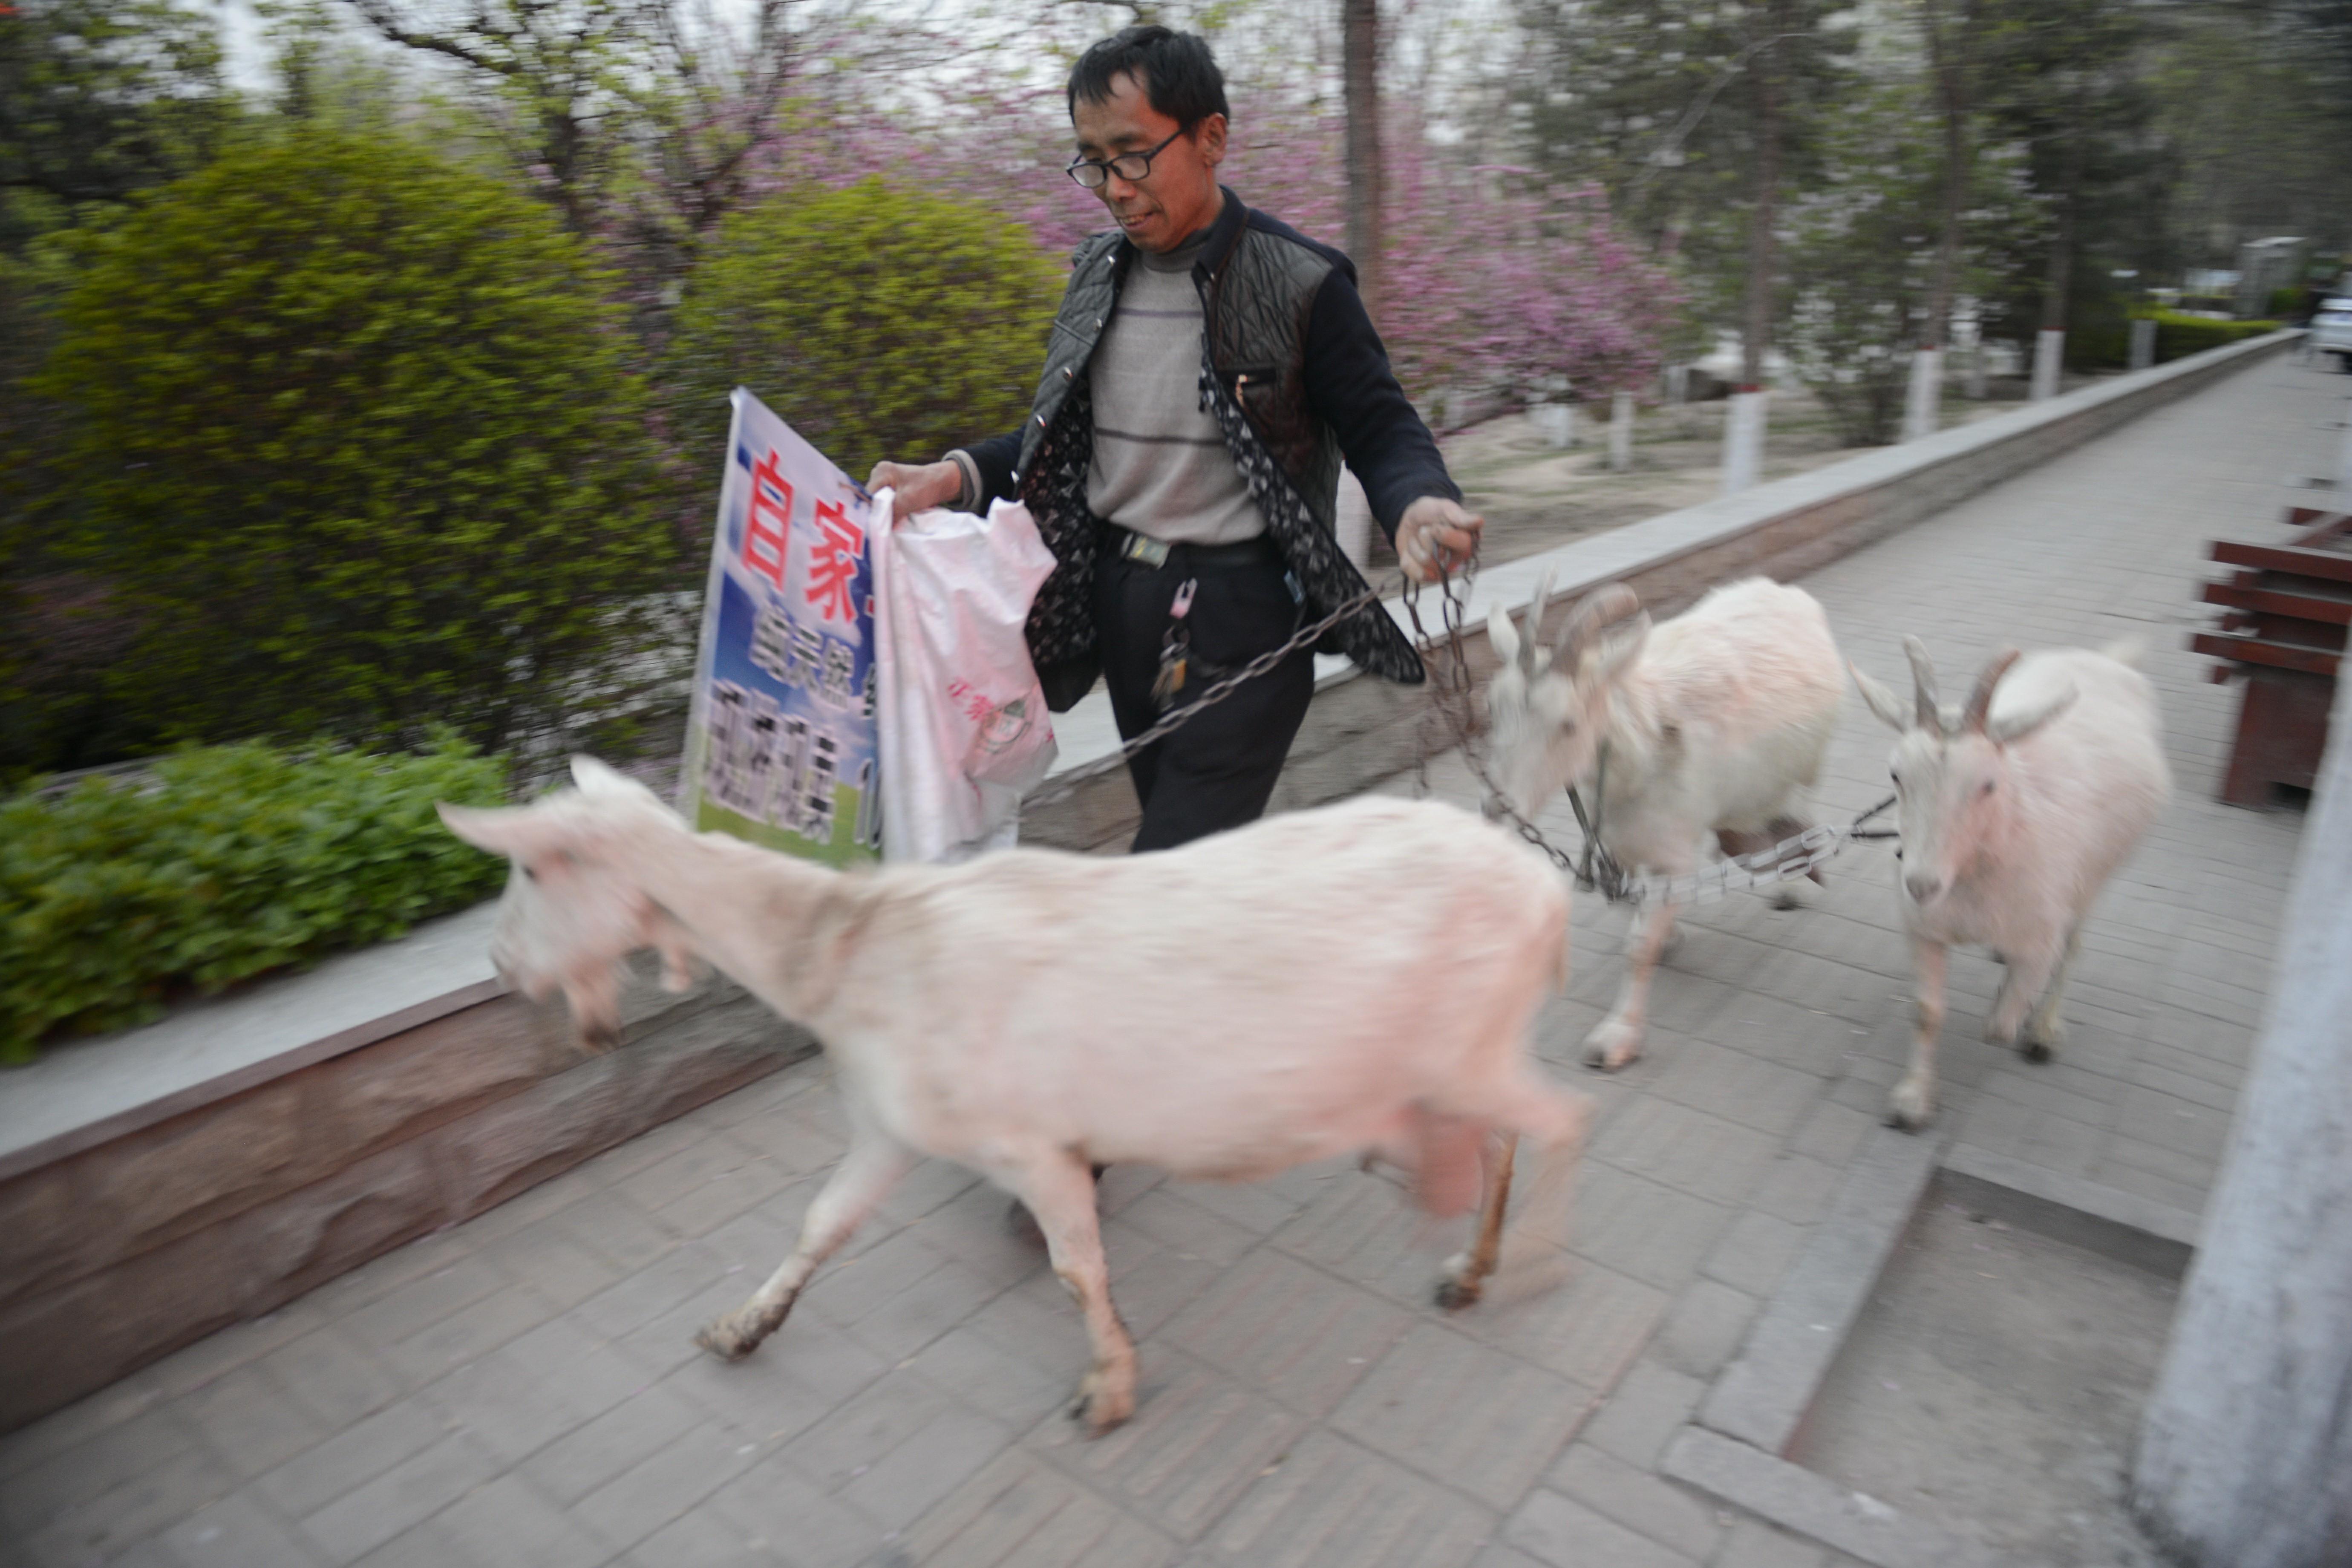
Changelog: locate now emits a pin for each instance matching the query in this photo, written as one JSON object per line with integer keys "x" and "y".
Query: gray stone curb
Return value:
{"x": 1762, "y": 1396}
{"x": 1796, "y": 1498}
{"x": 2128, "y": 1209}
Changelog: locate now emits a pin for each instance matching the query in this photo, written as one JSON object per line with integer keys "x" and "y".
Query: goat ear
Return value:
{"x": 1503, "y": 635}
{"x": 1881, "y": 699}
{"x": 2017, "y": 726}
{"x": 596, "y": 778}
{"x": 512, "y": 831}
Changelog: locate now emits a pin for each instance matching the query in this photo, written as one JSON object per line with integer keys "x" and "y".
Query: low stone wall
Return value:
{"x": 121, "y": 1251}
{"x": 1360, "y": 730}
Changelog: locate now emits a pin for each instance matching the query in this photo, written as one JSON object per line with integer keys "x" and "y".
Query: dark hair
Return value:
{"x": 1178, "y": 74}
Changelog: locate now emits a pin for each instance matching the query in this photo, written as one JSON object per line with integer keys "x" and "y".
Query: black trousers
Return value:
{"x": 1218, "y": 769}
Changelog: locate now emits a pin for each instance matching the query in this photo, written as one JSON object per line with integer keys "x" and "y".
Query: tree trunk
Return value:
{"x": 1946, "y": 57}
{"x": 2245, "y": 1457}
{"x": 2059, "y": 275}
{"x": 1744, "y": 420}
{"x": 1360, "y": 29}
{"x": 1757, "y": 337}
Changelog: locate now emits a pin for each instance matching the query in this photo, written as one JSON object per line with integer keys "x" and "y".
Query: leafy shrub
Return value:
{"x": 879, "y": 322}
{"x": 2179, "y": 336}
{"x": 2107, "y": 345}
{"x": 354, "y": 446}
{"x": 224, "y": 863}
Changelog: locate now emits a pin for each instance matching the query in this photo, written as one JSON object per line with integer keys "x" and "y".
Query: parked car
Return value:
{"x": 2331, "y": 331}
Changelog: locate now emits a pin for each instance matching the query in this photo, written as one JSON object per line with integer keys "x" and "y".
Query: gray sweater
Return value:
{"x": 1160, "y": 466}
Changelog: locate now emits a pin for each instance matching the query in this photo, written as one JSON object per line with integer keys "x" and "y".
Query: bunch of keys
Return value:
{"x": 1175, "y": 649}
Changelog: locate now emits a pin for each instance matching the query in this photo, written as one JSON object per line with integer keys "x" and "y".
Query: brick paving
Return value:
{"x": 521, "y": 1390}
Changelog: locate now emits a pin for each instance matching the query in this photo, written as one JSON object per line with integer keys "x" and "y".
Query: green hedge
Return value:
{"x": 880, "y": 323}
{"x": 2176, "y": 337}
{"x": 351, "y": 441}
{"x": 2179, "y": 336}
{"x": 220, "y": 864}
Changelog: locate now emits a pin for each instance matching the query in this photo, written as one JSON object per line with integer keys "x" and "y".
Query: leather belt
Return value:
{"x": 1129, "y": 545}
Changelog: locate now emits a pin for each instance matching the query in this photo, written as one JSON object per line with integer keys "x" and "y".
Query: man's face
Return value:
{"x": 1179, "y": 196}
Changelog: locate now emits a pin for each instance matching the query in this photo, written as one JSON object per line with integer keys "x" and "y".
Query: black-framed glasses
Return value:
{"x": 1129, "y": 166}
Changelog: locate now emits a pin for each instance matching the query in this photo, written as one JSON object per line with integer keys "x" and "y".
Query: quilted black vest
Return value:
{"x": 1256, "y": 292}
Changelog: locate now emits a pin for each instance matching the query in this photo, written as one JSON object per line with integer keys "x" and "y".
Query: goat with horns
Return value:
{"x": 1713, "y": 723}
{"x": 2016, "y": 809}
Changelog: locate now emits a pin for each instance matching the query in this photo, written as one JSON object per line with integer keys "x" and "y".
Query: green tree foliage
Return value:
{"x": 1659, "y": 101}
{"x": 354, "y": 444}
{"x": 1863, "y": 250}
{"x": 2065, "y": 80}
{"x": 222, "y": 863}
{"x": 2257, "y": 116}
{"x": 879, "y": 322}
{"x": 100, "y": 98}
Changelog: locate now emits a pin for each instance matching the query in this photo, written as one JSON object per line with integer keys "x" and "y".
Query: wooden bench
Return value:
{"x": 2288, "y": 607}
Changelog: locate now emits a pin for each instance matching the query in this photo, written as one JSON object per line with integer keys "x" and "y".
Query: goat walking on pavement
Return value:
{"x": 1712, "y": 725}
{"x": 2016, "y": 809}
{"x": 1361, "y": 977}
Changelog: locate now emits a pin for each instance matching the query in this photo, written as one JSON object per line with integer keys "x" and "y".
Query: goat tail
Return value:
{"x": 2125, "y": 651}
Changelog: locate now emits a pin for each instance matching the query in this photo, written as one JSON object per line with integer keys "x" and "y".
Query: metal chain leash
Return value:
{"x": 1451, "y": 685}
{"x": 1595, "y": 870}
{"x": 1175, "y": 718}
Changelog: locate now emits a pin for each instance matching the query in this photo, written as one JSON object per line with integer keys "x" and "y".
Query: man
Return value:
{"x": 1208, "y": 371}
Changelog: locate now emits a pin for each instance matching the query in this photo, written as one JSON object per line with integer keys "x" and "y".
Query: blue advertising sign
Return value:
{"x": 780, "y": 743}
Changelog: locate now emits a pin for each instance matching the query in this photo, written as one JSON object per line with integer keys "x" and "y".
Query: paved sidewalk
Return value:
{"x": 523, "y": 1390}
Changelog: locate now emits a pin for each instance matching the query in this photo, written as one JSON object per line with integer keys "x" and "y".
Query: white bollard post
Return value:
{"x": 1926, "y": 392}
{"x": 1353, "y": 525}
{"x": 1555, "y": 424}
{"x": 2143, "y": 343}
{"x": 1620, "y": 431}
{"x": 1743, "y": 439}
{"x": 2049, "y": 354}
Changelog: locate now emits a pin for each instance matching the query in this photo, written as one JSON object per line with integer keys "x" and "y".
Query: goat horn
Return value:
{"x": 1603, "y": 607}
{"x": 1536, "y": 607}
{"x": 1980, "y": 700}
{"x": 1927, "y": 715}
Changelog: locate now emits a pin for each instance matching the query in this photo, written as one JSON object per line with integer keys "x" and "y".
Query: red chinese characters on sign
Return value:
{"x": 833, "y": 563}
{"x": 768, "y": 529}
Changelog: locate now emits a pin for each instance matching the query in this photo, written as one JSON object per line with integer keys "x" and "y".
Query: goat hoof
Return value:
{"x": 1453, "y": 1295}
{"x": 1909, "y": 1108}
{"x": 723, "y": 1341}
{"x": 1611, "y": 1046}
{"x": 2035, "y": 1050}
{"x": 740, "y": 1333}
{"x": 1103, "y": 1403}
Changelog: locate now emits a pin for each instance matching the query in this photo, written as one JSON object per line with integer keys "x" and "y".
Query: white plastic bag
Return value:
{"x": 963, "y": 729}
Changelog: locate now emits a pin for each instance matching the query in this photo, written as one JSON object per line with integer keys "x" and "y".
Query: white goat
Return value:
{"x": 1029, "y": 1013}
{"x": 2015, "y": 811}
{"x": 1714, "y": 723}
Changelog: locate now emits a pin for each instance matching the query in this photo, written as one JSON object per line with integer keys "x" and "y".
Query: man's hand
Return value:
{"x": 1435, "y": 538}
{"x": 917, "y": 487}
